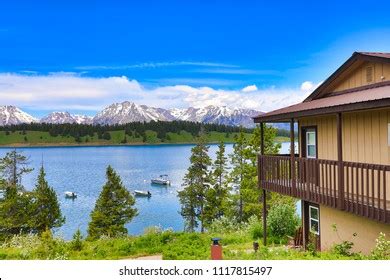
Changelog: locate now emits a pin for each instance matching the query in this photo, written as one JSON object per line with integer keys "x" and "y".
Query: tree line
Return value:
{"x": 136, "y": 129}
{"x": 38, "y": 211}
{"x": 227, "y": 186}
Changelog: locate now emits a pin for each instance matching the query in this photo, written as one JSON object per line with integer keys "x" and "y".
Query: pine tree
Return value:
{"x": 217, "y": 195}
{"x": 46, "y": 209}
{"x": 244, "y": 174}
{"x": 196, "y": 184}
{"x": 237, "y": 174}
{"x": 15, "y": 212}
{"x": 13, "y": 166}
{"x": 113, "y": 208}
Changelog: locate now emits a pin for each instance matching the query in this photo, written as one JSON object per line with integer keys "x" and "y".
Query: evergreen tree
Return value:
{"x": 196, "y": 184}
{"x": 244, "y": 174}
{"x": 217, "y": 196}
{"x": 15, "y": 212}
{"x": 237, "y": 174}
{"x": 113, "y": 208}
{"x": 13, "y": 166}
{"x": 46, "y": 209}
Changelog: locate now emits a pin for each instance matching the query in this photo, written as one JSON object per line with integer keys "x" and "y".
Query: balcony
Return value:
{"x": 358, "y": 188}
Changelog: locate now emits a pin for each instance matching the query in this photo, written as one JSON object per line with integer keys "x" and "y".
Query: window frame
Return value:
{"x": 307, "y": 132}
{"x": 314, "y": 219}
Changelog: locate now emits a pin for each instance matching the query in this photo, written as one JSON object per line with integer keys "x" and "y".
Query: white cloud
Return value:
{"x": 309, "y": 86}
{"x": 249, "y": 88}
{"x": 155, "y": 65}
{"x": 63, "y": 91}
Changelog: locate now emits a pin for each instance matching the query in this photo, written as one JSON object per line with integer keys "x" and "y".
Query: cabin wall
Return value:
{"x": 364, "y": 138}
{"x": 358, "y": 77}
{"x": 347, "y": 224}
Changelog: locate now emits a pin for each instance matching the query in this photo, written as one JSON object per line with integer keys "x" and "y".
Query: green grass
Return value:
{"x": 37, "y": 138}
{"x": 281, "y": 139}
{"x": 171, "y": 245}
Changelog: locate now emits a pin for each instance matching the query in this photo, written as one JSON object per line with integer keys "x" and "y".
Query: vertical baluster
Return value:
{"x": 378, "y": 217}
{"x": 372, "y": 192}
{"x": 361, "y": 200}
{"x": 334, "y": 186}
{"x": 384, "y": 195}
{"x": 367, "y": 191}
{"x": 357, "y": 191}
{"x": 348, "y": 187}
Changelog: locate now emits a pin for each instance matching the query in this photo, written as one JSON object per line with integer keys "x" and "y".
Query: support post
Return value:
{"x": 264, "y": 191}
{"x": 292, "y": 158}
{"x": 340, "y": 177}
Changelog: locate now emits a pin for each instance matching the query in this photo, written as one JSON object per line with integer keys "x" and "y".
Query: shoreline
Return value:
{"x": 97, "y": 144}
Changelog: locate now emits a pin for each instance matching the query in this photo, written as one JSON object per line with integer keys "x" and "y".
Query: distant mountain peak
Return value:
{"x": 128, "y": 111}
{"x": 13, "y": 115}
{"x": 66, "y": 117}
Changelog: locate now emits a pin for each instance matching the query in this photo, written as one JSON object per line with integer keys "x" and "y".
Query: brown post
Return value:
{"x": 264, "y": 191}
{"x": 340, "y": 162}
{"x": 292, "y": 157}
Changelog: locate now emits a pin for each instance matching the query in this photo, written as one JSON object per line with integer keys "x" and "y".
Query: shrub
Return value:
{"x": 255, "y": 228}
{"x": 282, "y": 220}
{"x": 77, "y": 242}
{"x": 225, "y": 225}
{"x": 344, "y": 248}
{"x": 382, "y": 248}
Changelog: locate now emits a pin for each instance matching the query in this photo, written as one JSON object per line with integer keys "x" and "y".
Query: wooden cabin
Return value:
{"x": 342, "y": 171}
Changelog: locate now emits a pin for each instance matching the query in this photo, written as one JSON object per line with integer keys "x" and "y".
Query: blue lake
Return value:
{"x": 82, "y": 169}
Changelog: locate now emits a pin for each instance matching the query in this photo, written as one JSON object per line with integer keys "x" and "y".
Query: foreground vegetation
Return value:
{"x": 170, "y": 245}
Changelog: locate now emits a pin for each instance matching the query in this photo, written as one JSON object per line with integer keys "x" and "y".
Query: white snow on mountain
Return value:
{"x": 12, "y": 115}
{"x": 126, "y": 112}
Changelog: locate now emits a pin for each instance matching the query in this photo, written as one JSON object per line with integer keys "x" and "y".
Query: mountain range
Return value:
{"x": 126, "y": 112}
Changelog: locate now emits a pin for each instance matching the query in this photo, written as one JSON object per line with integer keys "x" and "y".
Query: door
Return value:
{"x": 309, "y": 149}
{"x": 312, "y": 225}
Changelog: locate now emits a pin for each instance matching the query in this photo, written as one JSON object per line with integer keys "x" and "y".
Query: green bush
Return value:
{"x": 282, "y": 220}
{"x": 382, "y": 248}
{"x": 255, "y": 228}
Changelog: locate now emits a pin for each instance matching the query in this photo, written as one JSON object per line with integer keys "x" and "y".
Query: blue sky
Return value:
{"x": 82, "y": 55}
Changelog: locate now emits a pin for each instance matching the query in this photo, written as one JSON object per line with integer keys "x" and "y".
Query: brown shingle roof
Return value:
{"x": 376, "y": 96}
{"x": 376, "y": 54}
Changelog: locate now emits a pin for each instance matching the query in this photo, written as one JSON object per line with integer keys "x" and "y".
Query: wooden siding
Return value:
{"x": 364, "y": 139}
{"x": 357, "y": 77}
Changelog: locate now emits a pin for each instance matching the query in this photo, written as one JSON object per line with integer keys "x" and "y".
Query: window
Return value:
{"x": 311, "y": 149}
{"x": 314, "y": 219}
{"x": 388, "y": 134}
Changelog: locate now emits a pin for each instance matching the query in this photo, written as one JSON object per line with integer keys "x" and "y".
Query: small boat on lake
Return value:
{"x": 142, "y": 193}
{"x": 162, "y": 180}
{"x": 71, "y": 195}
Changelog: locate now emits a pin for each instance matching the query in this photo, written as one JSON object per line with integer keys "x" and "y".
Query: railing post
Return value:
{"x": 264, "y": 191}
{"x": 340, "y": 172}
{"x": 292, "y": 158}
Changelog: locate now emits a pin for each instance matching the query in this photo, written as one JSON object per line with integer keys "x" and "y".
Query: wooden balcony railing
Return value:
{"x": 358, "y": 188}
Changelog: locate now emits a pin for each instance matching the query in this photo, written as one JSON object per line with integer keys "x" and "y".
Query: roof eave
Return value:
{"x": 286, "y": 117}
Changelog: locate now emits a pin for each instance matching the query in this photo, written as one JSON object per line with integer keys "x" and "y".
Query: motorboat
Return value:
{"x": 161, "y": 180}
{"x": 142, "y": 193}
{"x": 71, "y": 195}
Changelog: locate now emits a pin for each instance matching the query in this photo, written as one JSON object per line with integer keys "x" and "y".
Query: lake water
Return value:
{"x": 82, "y": 169}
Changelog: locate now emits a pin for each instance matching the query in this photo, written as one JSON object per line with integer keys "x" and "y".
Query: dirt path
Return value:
{"x": 152, "y": 257}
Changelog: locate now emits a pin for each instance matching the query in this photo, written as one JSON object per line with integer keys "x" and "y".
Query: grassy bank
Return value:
{"x": 171, "y": 245}
{"x": 118, "y": 137}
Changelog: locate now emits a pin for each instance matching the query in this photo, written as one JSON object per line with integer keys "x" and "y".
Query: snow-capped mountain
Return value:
{"x": 12, "y": 115}
{"x": 126, "y": 112}
{"x": 218, "y": 115}
{"x": 66, "y": 117}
